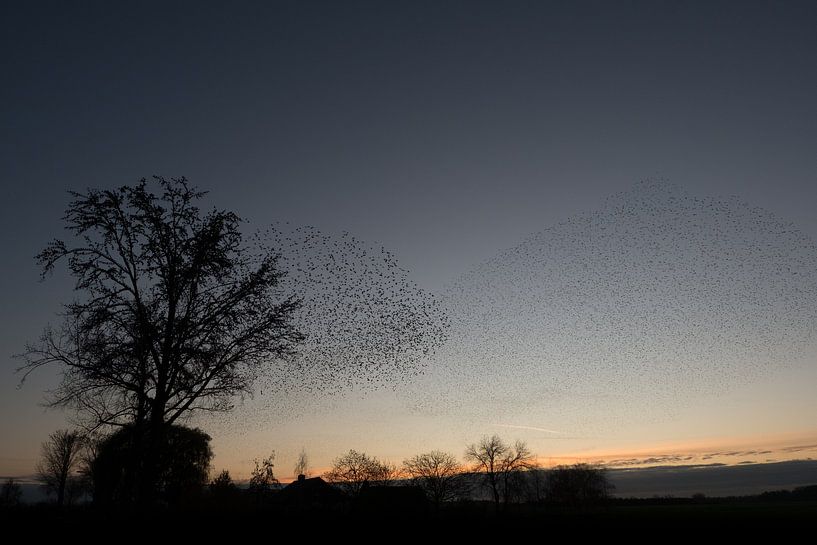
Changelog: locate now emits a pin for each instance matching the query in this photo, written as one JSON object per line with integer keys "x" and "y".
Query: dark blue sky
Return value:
{"x": 443, "y": 130}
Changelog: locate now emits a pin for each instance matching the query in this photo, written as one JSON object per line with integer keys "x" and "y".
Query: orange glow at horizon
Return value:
{"x": 722, "y": 450}
{"x": 706, "y": 451}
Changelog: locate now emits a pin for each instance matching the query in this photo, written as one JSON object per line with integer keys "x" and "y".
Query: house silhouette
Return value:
{"x": 311, "y": 494}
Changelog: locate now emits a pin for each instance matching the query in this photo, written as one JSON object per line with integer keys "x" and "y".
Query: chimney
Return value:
{"x": 301, "y": 477}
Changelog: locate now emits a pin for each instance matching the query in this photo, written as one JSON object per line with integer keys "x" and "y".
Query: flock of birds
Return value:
{"x": 658, "y": 296}
{"x": 650, "y": 303}
{"x": 366, "y": 325}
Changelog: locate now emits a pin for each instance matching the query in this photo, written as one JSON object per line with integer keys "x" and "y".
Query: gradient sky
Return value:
{"x": 445, "y": 131}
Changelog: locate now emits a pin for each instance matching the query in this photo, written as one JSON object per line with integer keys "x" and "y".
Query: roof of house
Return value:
{"x": 314, "y": 490}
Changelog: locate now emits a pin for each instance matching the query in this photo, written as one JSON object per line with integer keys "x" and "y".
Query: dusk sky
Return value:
{"x": 469, "y": 139}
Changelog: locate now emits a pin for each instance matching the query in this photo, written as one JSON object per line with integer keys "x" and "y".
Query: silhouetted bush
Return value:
{"x": 801, "y": 493}
{"x": 578, "y": 484}
{"x": 183, "y": 464}
{"x": 11, "y": 495}
{"x": 222, "y": 484}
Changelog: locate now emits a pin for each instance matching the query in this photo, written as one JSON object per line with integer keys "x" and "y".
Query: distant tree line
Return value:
{"x": 100, "y": 469}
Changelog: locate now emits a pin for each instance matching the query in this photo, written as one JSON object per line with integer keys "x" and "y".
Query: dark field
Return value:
{"x": 634, "y": 517}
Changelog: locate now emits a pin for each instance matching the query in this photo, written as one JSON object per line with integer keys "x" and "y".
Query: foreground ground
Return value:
{"x": 652, "y": 519}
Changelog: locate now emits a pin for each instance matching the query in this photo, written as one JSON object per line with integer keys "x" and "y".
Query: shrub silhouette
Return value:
{"x": 11, "y": 495}
{"x": 183, "y": 466}
{"x": 578, "y": 484}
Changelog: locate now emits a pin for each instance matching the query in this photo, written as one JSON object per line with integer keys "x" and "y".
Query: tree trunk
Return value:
{"x": 495, "y": 490}
{"x": 61, "y": 491}
{"x": 152, "y": 457}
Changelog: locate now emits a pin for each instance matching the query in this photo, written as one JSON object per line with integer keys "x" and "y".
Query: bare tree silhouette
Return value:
{"x": 176, "y": 313}
{"x": 60, "y": 459}
{"x": 500, "y": 463}
{"x": 439, "y": 474}
{"x": 262, "y": 478}
{"x": 302, "y": 464}
{"x": 354, "y": 470}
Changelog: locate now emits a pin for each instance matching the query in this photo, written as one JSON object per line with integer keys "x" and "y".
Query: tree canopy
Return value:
{"x": 182, "y": 465}
{"x": 353, "y": 470}
{"x": 175, "y": 313}
{"x": 501, "y": 464}
{"x": 60, "y": 459}
{"x": 439, "y": 474}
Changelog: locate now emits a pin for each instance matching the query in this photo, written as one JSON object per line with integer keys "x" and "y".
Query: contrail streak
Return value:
{"x": 530, "y": 428}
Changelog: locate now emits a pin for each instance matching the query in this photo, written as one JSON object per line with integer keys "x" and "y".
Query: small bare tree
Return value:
{"x": 438, "y": 473}
{"x": 61, "y": 456}
{"x": 355, "y": 469}
{"x": 501, "y": 464}
{"x": 302, "y": 465}
{"x": 262, "y": 478}
{"x": 11, "y": 495}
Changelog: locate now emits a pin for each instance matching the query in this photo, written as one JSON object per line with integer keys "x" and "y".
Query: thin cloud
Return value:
{"x": 707, "y": 457}
{"x": 799, "y": 448}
